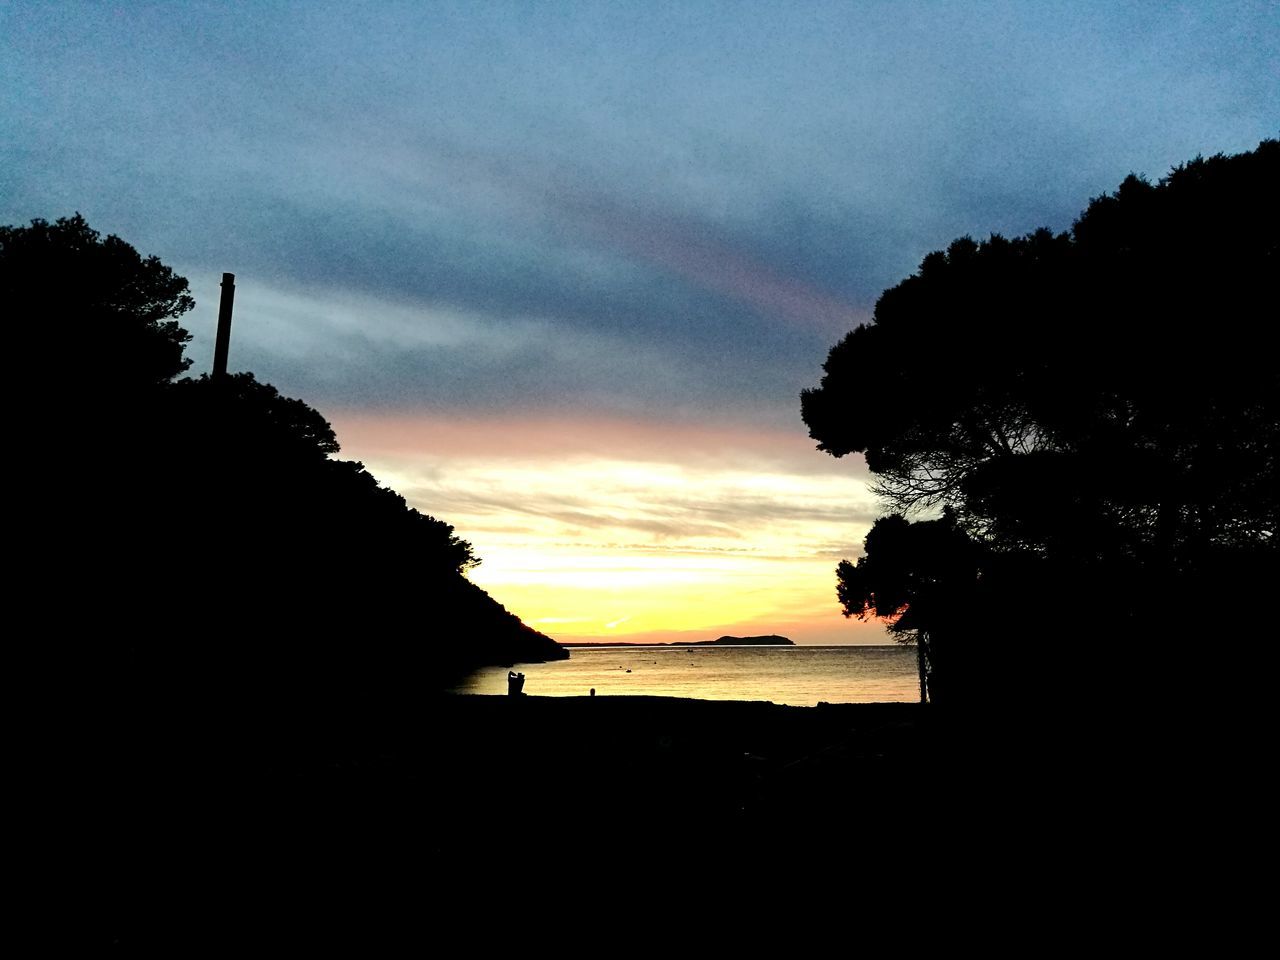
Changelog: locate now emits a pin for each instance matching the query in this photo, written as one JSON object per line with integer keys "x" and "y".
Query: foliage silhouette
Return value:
{"x": 93, "y": 308}
{"x": 241, "y": 589}
{"x": 1098, "y": 411}
{"x": 914, "y": 576}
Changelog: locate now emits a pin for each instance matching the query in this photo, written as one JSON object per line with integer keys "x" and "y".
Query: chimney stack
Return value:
{"x": 223, "y": 343}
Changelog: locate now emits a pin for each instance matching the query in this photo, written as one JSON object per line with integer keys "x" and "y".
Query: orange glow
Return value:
{"x": 623, "y": 530}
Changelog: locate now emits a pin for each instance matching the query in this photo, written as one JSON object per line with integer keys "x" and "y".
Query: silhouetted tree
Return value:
{"x": 1099, "y": 409}
{"x": 922, "y": 579}
{"x": 93, "y": 311}
{"x": 253, "y": 416}
{"x": 236, "y": 583}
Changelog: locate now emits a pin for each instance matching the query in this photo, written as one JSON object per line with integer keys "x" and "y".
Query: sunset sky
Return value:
{"x": 558, "y": 272}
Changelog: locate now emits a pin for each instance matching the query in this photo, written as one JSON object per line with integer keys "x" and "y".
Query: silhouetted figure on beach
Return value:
{"x": 220, "y": 499}
{"x": 515, "y": 684}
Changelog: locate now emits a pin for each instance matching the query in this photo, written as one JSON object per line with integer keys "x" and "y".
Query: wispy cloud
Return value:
{"x": 559, "y": 272}
{"x": 576, "y": 518}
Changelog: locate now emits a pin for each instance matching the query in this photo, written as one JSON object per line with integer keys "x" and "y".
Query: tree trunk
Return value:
{"x": 922, "y": 645}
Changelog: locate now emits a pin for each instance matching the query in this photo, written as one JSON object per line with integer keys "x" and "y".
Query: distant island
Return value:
{"x": 772, "y": 640}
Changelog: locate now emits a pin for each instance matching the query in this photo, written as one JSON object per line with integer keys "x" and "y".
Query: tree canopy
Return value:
{"x": 1102, "y": 404}
{"x": 93, "y": 308}
{"x": 202, "y": 535}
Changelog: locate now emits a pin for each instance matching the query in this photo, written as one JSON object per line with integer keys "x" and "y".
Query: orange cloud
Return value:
{"x": 501, "y": 436}
{"x": 594, "y": 527}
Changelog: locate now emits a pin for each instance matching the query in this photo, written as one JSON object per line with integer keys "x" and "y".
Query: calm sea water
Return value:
{"x": 801, "y": 676}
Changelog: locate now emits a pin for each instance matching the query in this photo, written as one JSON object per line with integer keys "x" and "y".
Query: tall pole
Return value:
{"x": 223, "y": 343}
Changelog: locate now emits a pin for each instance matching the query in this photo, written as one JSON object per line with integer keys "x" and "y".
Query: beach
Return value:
{"x": 462, "y": 808}
{"x": 794, "y": 675}
{"x": 457, "y": 777}
{"x": 554, "y": 759}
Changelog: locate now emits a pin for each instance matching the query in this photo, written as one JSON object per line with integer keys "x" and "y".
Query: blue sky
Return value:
{"x": 664, "y": 214}
{"x": 724, "y": 188}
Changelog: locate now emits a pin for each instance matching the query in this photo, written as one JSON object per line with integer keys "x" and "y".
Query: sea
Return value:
{"x": 799, "y": 675}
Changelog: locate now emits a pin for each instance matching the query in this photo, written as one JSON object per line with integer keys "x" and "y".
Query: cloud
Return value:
{"x": 576, "y": 518}
{"x": 559, "y": 272}
{"x": 340, "y": 349}
{"x": 571, "y": 435}
{"x": 710, "y": 197}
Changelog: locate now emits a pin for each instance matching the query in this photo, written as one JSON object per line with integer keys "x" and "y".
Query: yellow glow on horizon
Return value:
{"x": 715, "y": 536}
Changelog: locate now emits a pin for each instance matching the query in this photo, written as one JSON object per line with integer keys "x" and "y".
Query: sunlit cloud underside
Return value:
{"x": 617, "y": 530}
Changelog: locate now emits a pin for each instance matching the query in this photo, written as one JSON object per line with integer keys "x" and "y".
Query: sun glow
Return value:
{"x": 611, "y": 530}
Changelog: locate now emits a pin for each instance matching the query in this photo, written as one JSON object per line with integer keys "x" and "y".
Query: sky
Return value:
{"x": 558, "y": 273}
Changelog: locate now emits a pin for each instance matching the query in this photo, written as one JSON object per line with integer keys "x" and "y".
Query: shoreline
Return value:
{"x": 735, "y": 646}
{"x": 791, "y": 675}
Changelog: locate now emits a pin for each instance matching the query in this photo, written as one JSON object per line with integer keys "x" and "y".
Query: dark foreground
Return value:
{"x": 464, "y": 809}
{"x": 542, "y": 768}
{"x": 468, "y": 804}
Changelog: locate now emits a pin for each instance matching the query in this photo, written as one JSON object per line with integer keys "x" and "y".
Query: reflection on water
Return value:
{"x": 800, "y": 676}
